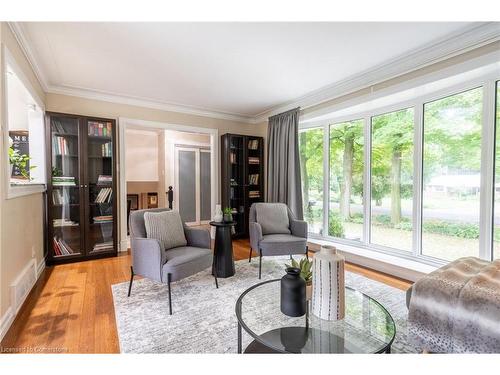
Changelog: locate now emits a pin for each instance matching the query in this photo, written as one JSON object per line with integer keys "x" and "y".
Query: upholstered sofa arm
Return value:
{"x": 197, "y": 237}
{"x": 298, "y": 228}
{"x": 255, "y": 234}
{"x": 147, "y": 257}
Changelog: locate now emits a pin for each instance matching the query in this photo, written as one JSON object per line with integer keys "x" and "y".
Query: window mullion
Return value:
{"x": 326, "y": 178}
{"x": 418, "y": 155}
{"x": 367, "y": 181}
{"x": 487, "y": 172}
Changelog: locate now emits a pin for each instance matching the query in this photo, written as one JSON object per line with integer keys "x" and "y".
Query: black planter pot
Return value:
{"x": 293, "y": 293}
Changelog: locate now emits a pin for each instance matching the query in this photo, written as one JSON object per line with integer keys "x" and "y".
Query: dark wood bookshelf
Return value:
{"x": 80, "y": 155}
{"x": 237, "y": 183}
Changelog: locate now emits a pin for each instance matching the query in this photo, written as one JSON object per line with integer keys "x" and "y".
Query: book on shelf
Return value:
{"x": 253, "y": 179}
{"x": 61, "y": 247}
{"x": 60, "y": 197}
{"x": 253, "y": 160}
{"x": 254, "y": 194}
{"x": 60, "y": 146}
{"x": 100, "y": 129}
{"x": 106, "y": 149}
{"x": 64, "y": 223}
{"x": 253, "y": 144}
{"x": 103, "y": 246}
{"x": 104, "y": 195}
{"x": 104, "y": 179}
{"x": 103, "y": 219}
{"x": 63, "y": 181}
{"x": 232, "y": 157}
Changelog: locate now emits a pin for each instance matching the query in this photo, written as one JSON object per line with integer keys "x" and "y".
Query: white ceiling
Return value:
{"x": 242, "y": 69}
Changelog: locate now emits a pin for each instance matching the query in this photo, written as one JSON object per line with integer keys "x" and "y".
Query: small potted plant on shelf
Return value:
{"x": 16, "y": 159}
{"x": 228, "y": 216}
{"x": 304, "y": 265}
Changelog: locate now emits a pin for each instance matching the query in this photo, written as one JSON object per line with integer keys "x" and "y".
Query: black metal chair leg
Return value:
{"x": 291, "y": 257}
{"x": 131, "y": 280}
{"x": 214, "y": 271}
{"x": 260, "y": 264}
{"x": 250, "y": 256}
{"x": 307, "y": 252}
{"x": 169, "y": 278}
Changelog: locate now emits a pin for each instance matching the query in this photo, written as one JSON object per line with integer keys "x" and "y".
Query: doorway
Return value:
{"x": 201, "y": 179}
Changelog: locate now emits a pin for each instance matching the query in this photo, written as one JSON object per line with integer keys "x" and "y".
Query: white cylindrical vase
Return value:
{"x": 328, "y": 292}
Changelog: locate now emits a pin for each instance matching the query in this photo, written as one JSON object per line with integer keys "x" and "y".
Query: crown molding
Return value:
{"x": 145, "y": 103}
{"x": 462, "y": 41}
{"x": 457, "y": 43}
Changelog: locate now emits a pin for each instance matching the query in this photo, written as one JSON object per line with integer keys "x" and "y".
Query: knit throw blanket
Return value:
{"x": 456, "y": 309}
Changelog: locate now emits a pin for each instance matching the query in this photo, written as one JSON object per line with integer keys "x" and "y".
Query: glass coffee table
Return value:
{"x": 367, "y": 327}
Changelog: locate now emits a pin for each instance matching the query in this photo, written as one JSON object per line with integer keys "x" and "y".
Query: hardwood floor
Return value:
{"x": 70, "y": 309}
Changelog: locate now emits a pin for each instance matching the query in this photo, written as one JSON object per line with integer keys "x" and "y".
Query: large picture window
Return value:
{"x": 452, "y": 176}
{"x": 413, "y": 179}
{"x": 345, "y": 219}
{"x": 311, "y": 166}
{"x": 391, "y": 179}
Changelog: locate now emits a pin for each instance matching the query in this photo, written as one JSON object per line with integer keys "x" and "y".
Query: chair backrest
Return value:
{"x": 252, "y": 215}
{"x": 136, "y": 222}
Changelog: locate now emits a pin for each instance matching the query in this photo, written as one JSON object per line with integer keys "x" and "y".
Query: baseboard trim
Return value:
{"x": 6, "y": 322}
{"x": 9, "y": 316}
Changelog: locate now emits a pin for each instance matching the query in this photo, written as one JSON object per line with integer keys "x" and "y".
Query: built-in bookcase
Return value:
{"x": 81, "y": 189}
{"x": 242, "y": 180}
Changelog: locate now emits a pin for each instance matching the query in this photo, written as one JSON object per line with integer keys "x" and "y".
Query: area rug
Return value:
{"x": 204, "y": 319}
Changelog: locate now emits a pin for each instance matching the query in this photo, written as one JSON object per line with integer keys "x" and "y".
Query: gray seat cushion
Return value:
{"x": 185, "y": 261}
{"x": 166, "y": 227}
{"x": 273, "y": 218}
{"x": 282, "y": 244}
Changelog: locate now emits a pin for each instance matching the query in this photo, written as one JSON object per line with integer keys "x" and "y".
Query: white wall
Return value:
{"x": 141, "y": 155}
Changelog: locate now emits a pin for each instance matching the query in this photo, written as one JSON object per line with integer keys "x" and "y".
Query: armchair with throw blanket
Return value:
{"x": 165, "y": 250}
{"x": 274, "y": 230}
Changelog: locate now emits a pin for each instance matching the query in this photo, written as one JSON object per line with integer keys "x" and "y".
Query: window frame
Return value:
{"x": 18, "y": 190}
{"x": 488, "y": 83}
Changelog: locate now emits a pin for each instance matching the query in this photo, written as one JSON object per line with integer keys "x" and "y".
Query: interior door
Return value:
{"x": 193, "y": 185}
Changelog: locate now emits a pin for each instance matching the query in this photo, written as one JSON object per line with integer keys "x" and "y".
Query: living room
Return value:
{"x": 256, "y": 187}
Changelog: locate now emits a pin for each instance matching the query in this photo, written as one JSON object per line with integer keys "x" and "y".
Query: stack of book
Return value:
{"x": 104, "y": 180}
{"x": 60, "y": 146}
{"x": 254, "y": 194}
{"x": 63, "y": 181}
{"x": 99, "y": 129}
{"x": 253, "y": 160}
{"x": 64, "y": 223}
{"x": 103, "y": 219}
{"x": 60, "y": 197}
{"x": 106, "y": 149}
{"x": 253, "y": 144}
{"x": 104, "y": 195}
{"x": 61, "y": 247}
{"x": 253, "y": 179}
{"x": 103, "y": 246}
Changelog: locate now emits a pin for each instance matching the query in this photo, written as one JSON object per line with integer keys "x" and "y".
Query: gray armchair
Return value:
{"x": 151, "y": 261}
{"x": 274, "y": 230}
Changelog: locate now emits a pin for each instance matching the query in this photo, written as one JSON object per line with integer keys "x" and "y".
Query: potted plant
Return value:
{"x": 20, "y": 161}
{"x": 304, "y": 265}
{"x": 228, "y": 216}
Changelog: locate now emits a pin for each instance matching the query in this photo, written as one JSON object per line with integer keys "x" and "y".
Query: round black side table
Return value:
{"x": 223, "y": 252}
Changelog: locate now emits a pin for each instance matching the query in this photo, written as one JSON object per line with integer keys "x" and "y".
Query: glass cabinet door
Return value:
{"x": 237, "y": 183}
{"x": 66, "y": 211}
{"x": 100, "y": 194}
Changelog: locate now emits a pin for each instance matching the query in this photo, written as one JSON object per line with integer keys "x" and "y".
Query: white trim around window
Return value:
{"x": 488, "y": 84}
{"x": 22, "y": 189}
